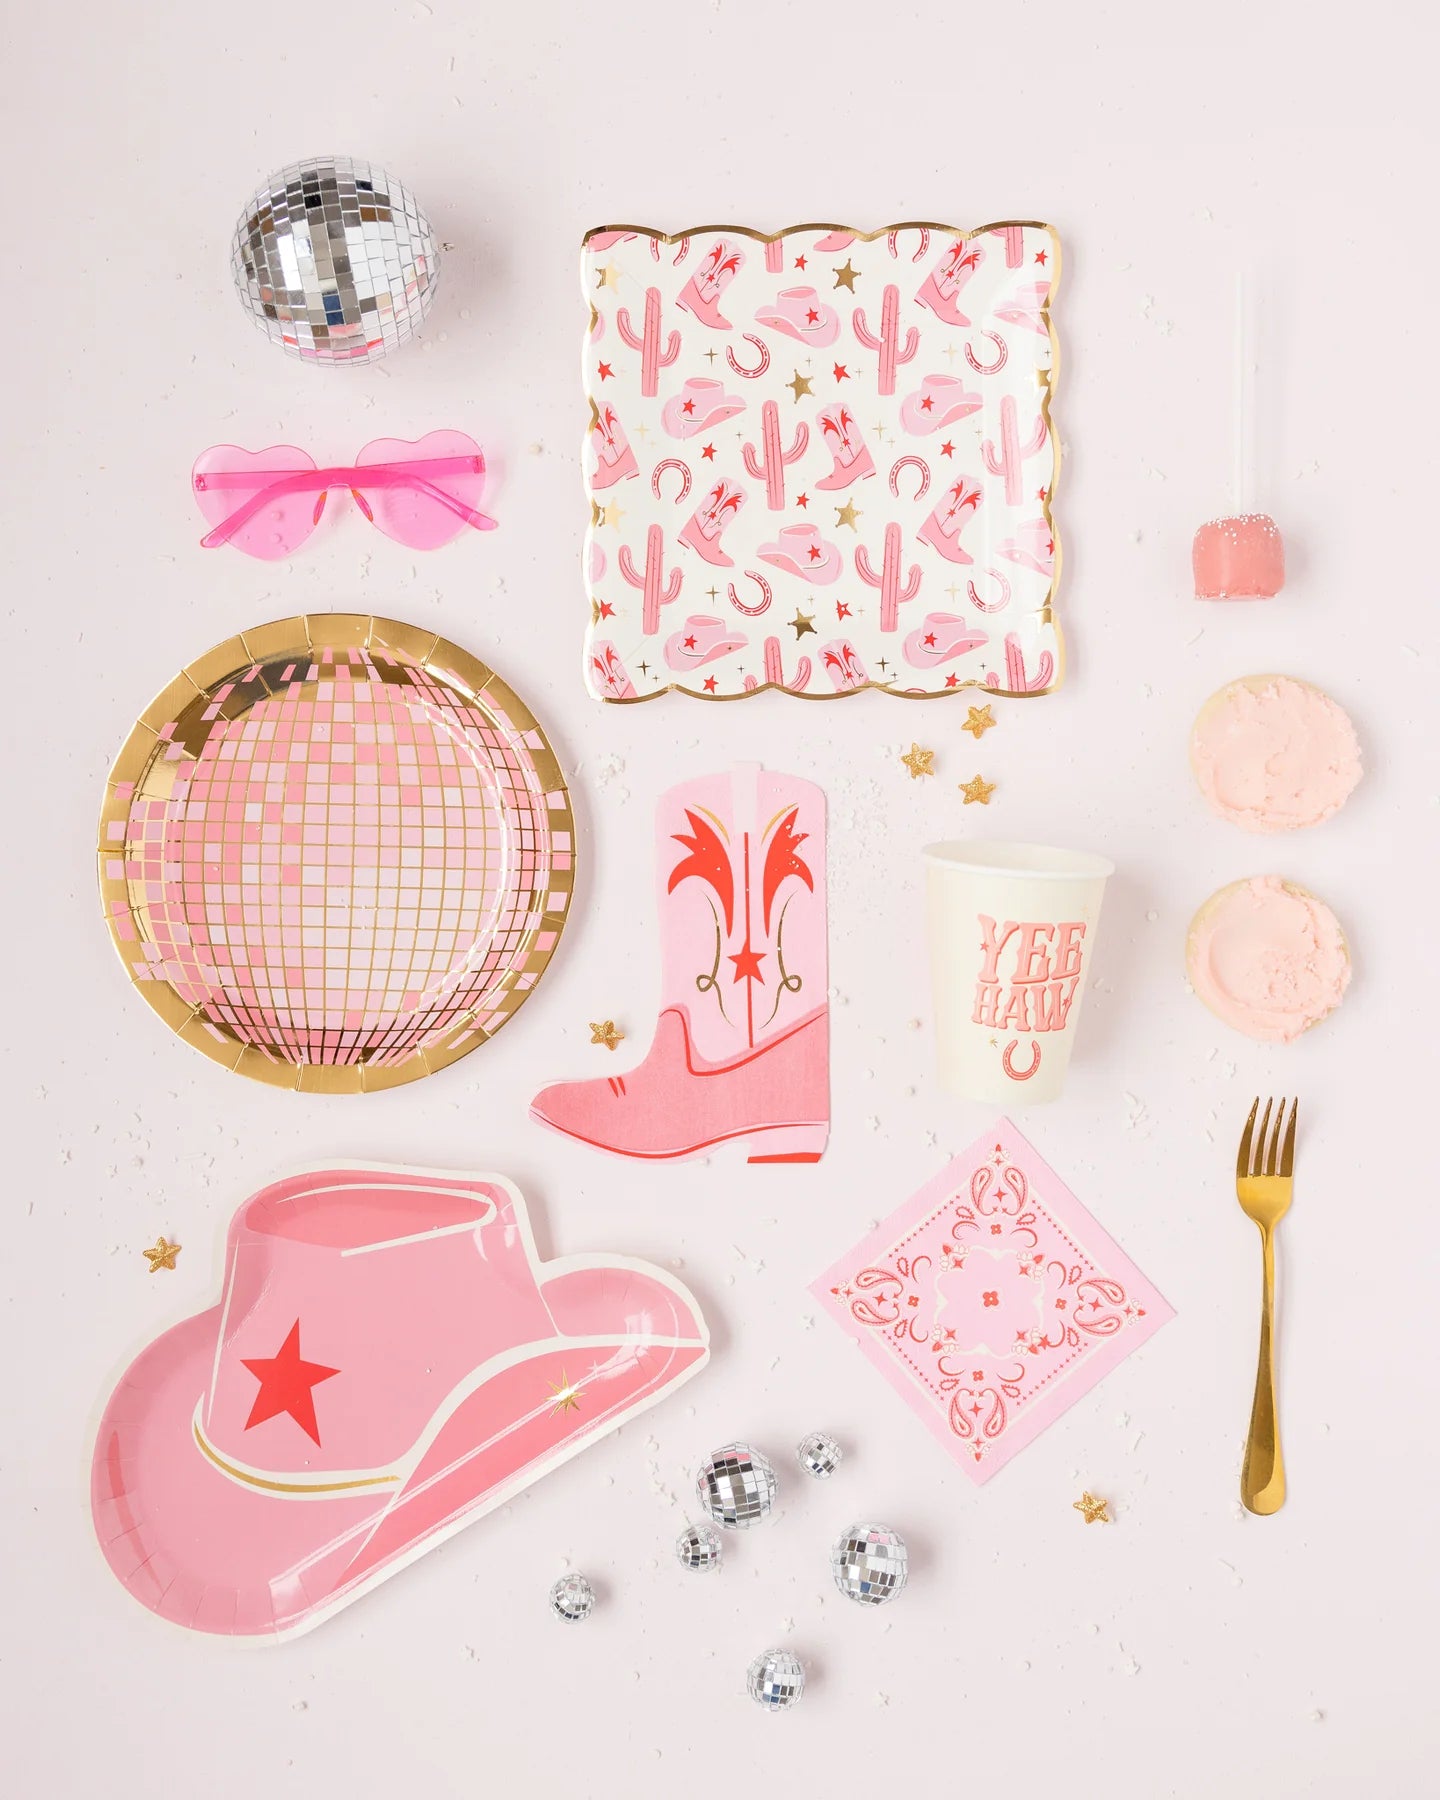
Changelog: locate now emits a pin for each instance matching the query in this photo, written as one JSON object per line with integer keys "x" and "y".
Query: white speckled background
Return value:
{"x": 1183, "y": 1650}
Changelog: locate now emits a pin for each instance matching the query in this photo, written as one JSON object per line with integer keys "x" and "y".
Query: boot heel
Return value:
{"x": 789, "y": 1144}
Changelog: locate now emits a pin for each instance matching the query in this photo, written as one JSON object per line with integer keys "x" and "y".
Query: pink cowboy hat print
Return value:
{"x": 942, "y": 400}
{"x": 940, "y": 639}
{"x": 389, "y": 1359}
{"x": 701, "y": 639}
{"x": 700, "y": 404}
{"x": 801, "y": 550}
{"x": 801, "y": 314}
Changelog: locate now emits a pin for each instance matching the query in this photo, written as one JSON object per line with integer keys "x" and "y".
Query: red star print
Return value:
{"x": 927, "y": 404}
{"x": 606, "y": 371}
{"x": 285, "y": 1383}
{"x": 689, "y": 643}
{"x": 930, "y": 640}
{"x": 747, "y": 965}
{"x": 802, "y": 499}
{"x": 842, "y": 611}
{"x": 1040, "y": 256}
{"x": 799, "y": 262}
{"x": 840, "y": 372}
{"x": 1050, "y": 545}
{"x": 811, "y": 316}
{"x": 1040, "y": 493}
{"x": 688, "y": 406}
{"x": 947, "y": 449}
{"x": 607, "y": 611}
{"x": 709, "y": 684}
{"x": 952, "y": 681}
{"x": 708, "y": 453}
{"x": 815, "y": 553}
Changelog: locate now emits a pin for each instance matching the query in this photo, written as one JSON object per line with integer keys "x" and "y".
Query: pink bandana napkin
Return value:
{"x": 991, "y": 1301}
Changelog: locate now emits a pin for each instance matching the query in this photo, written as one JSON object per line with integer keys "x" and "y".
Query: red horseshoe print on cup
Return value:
{"x": 1009, "y": 1066}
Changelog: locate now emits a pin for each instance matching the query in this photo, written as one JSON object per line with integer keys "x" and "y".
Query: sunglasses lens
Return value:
{"x": 257, "y": 500}
{"x": 435, "y": 503}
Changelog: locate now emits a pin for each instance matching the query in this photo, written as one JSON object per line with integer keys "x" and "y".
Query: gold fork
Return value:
{"x": 1263, "y": 1183}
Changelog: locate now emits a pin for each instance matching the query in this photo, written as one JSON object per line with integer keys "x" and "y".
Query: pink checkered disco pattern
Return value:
{"x": 353, "y": 859}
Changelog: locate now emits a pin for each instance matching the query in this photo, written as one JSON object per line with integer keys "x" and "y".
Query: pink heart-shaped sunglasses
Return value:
{"x": 267, "y": 502}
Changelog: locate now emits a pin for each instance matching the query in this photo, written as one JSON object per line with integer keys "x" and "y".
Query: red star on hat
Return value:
{"x": 286, "y": 1383}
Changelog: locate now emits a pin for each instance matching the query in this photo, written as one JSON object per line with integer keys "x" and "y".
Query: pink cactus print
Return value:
{"x": 764, "y": 382}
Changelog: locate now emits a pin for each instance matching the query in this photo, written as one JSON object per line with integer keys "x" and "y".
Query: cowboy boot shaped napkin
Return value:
{"x": 742, "y": 1046}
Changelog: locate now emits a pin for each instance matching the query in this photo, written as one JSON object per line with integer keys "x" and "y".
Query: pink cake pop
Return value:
{"x": 1241, "y": 556}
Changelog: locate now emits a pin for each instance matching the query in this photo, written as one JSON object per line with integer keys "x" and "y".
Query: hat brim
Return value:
{"x": 821, "y": 335}
{"x": 240, "y": 1558}
{"x": 679, "y": 426}
{"x": 921, "y": 424}
{"x": 949, "y": 644}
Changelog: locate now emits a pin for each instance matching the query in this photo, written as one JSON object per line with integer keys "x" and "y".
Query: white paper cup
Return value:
{"x": 1011, "y": 929}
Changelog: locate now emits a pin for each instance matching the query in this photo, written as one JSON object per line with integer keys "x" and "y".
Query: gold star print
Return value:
{"x": 606, "y": 1034}
{"x": 846, "y": 515}
{"x": 978, "y": 721}
{"x": 594, "y": 319}
{"x": 1093, "y": 1509}
{"x": 918, "y": 762}
{"x": 800, "y": 385}
{"x": 568, "y": 1395}
{"x": 801, "y": 623}
{"x": 605, "y": 515}
{"x": 978, "y": 791}
{"x": 607, "y": 276}
{"x": 847, "y": 277}
{"x": 162, "y": 1256}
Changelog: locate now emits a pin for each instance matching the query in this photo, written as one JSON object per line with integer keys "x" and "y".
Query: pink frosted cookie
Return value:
{"x": 1239, "y": 558}
{"x": 1267, "y": 958}
{"x": 1273, "y": 754}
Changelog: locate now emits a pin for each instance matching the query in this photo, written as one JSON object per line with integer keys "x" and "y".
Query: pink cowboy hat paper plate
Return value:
{"x": 389, "y": 1359}
{"x": 863, "y": 412}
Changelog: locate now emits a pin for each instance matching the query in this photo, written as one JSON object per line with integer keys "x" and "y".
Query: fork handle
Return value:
{"x": 1262, "y": 1477}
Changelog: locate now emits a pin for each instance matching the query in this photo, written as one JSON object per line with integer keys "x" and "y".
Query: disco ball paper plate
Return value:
{"x": 334, "y": 260}
{"x": 336, "y": 853}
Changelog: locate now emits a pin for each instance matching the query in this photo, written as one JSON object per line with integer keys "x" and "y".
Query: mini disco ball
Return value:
{"x": 776, "y": 1680}
{"x": 819, "y": 1455}
{"x": 869, "y": 1563}
{"x": 334, "y": 260}
{"x": 736, "y": 1486}
{"x": 572, "y": 1599}
{"x": 698, "y": 1547}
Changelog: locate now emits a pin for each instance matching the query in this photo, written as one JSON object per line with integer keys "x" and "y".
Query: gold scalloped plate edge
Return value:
{"x": 1049, "y": 612}
{"x": 261, "y": 644}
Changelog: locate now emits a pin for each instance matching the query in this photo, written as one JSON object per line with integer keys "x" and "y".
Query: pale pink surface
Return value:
{"x": 1268, "y": 959}
{"x": 1273, "y": 754}
{"x": 991, "y": 1301}
{"x": 1241, "y": 557}
{"x": 1040, "y": 1656}
{"x": 437, "y": 1343}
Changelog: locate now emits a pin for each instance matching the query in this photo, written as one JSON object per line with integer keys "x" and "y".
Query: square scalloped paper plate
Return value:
{"x": 821, "y": 461}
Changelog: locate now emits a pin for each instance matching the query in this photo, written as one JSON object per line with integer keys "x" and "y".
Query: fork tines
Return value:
{"x": 1275, "y": 1157}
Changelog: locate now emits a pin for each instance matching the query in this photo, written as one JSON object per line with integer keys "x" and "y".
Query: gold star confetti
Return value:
{"x": 568, "y": 1395}
{"x": 608, "y": 276}
{"x": 918, "y": 762}
{"x": 801, "y": 623}
{"x": 1093, "y": 1509}
{"x": 606, "y": 1034}
{"x": 800, "y": 385}
{"x": 162, "y": 1256}
{"x": 847, "y": 277}
{"x": 846, "y": 515}
{"x": 978, "y": 721}
{"x": 978, "y": 791}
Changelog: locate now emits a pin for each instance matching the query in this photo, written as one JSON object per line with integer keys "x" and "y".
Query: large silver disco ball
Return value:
{"x": 334, "y": 260}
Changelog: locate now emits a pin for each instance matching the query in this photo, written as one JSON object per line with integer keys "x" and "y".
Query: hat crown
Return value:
{"x": 354, "y": 1303}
